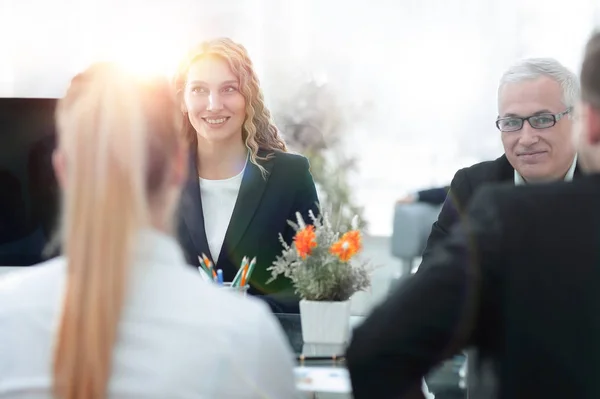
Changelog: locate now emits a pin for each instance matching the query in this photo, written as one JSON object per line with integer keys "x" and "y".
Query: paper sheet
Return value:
{"x": 330, "y": 380}
{"x": 323, "y": 379}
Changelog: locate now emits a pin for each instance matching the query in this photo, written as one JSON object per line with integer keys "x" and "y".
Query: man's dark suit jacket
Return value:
{"x": 518, "y": 280}
{"x": 464, "y": 184}
{"x": 262, "y": 209}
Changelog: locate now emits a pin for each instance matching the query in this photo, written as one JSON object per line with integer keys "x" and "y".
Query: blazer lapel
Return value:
{"x": 191, "y": 208}
{"x": 251, "y": 192}
{"x": 505, "y": 170}
{"x": 577, "y": 173}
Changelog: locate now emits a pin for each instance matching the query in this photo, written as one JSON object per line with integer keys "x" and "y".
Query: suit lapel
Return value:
{"x": 251, "y": 192}
{"x": 191, "y": 209}
{"x": 505, "y": 170}
{"x": 577, "y": 173}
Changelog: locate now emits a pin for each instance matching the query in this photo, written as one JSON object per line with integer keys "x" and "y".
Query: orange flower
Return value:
{"x": 347, "y": 246}
{"x": 305, "y": 241}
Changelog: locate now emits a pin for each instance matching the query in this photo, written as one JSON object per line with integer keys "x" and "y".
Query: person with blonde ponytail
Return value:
{"x": 120, "y": 314}
{"x": 243, "y": 184}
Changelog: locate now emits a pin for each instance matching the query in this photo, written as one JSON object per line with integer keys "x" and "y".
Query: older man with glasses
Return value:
{"x": 518, "y": 278}
{"x": 535, "y": 101}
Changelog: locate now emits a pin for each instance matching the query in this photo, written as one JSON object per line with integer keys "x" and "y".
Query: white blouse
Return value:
{"x": 179, "y": 337}
{"x": 218, "y": 202}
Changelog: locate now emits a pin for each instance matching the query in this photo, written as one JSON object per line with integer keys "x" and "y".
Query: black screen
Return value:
{"x": 28, "y": 187}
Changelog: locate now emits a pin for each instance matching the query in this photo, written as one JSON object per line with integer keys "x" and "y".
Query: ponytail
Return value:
{"x": 104, "y": 136}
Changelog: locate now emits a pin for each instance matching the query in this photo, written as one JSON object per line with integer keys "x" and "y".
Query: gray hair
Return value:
{"x": 533, "y": 68}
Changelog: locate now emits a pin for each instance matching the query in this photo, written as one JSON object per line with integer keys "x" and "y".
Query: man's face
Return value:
{"x": 537, "y": 154}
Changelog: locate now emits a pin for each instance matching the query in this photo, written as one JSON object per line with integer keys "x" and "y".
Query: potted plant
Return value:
{"x": 325, "y": 272}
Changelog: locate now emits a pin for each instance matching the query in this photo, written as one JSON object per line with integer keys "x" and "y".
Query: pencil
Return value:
{"x": 244, "y": 274}
{"x": 251, "y": 269}
{"x": 238, "y": 275}
{"x": 205, "y": 268}
{"x": 204, "y": 274}
{"x": 206, "y": 260}
{"x": 209, "y": 265}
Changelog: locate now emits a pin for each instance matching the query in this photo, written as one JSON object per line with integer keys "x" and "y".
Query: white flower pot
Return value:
{"x": 325, "y": 322}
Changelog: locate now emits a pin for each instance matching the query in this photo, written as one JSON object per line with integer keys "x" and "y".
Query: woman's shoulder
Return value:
{"x": 32, "y": 287}
{"x": 283, "y": 159}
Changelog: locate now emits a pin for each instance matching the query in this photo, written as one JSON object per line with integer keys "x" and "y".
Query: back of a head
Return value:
{"x": 117, "y": 137}
{"x": 590, "y": 72}
{"x": 535, "y": 68}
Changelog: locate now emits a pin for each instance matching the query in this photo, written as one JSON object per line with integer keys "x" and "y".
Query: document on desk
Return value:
{"x": 323, "y": 379}
{"x": 331, "y": 380}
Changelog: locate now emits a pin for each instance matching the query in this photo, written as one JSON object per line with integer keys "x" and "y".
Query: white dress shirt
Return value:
{"x": 179, "y": 337}
{"x": 568, "y": 177}
{"x": 218, "y": 202}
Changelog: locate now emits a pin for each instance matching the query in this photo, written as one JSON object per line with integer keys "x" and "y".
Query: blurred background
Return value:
{"x": 397, "y": 95}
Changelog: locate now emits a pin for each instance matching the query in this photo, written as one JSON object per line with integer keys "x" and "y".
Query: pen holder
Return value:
{"x": 242, "y": 290}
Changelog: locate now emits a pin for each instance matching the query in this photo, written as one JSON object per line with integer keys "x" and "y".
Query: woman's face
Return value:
{"x": 215, "y": 106}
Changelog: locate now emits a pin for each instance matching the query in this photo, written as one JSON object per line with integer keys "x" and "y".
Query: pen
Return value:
{"x": 220, "y": 277}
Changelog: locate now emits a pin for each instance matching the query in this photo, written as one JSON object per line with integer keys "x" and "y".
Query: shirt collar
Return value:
{"x": 519, "y": 181}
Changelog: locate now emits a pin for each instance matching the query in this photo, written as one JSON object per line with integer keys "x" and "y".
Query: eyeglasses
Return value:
{"x": 539, "y": 121}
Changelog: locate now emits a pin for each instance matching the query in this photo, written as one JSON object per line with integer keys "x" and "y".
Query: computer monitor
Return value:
{"x": 28, "y": 188}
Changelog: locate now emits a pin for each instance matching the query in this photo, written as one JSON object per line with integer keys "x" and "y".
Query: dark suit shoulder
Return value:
{"x": 285, "y": 164}
{"x": 494, "y": 171}
{"x": 289, "y": 159}
{"x": 543, "y": 214}
{"x": 564, "y": 194}
{"x": 468, "y": 180}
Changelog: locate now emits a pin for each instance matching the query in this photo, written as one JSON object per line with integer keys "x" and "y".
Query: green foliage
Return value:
{"x": 321, "y": 276}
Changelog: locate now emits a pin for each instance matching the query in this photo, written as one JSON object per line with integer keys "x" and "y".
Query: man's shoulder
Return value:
{"x": 548, "y": 198}
{"x": 496, "y": 170}
{"x": 468, "y": 180}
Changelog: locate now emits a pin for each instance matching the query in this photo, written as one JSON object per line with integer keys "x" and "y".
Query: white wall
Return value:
{"x": 422, "y": 75}
{"x": 428, "y": 71}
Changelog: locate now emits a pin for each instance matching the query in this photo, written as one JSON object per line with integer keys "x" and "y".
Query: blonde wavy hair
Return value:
{"x": 117, "y": 140}
{"x": 258, "y": 131}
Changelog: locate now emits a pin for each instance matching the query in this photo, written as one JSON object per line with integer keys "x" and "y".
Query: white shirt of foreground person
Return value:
{"x": 179, "y": 337}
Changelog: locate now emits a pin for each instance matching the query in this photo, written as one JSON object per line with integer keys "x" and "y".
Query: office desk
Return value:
{"x": 336, "y": 381}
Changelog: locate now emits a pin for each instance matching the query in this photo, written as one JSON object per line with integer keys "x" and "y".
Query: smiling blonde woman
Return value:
{"x": 243, "y": 185}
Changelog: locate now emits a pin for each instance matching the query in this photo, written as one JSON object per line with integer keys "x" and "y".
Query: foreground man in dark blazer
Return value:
{"x": 535, "y": 101}
{"x": 518, "y": 280}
